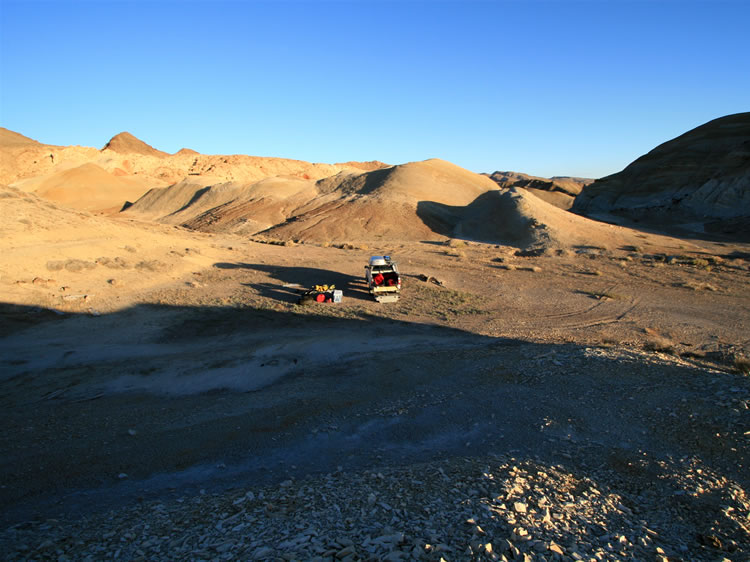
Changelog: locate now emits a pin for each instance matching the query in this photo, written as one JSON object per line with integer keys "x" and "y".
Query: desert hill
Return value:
{"x": 87, "y": 187}
{"x": 26, "y": 163}
{"x": 382, "y": 204}
{"x": 125, "y": 143}
{"x": 22, "y": 157}
{"x": 702, "y": 175}
{"x": 216, "y": 206}
{"x": 350, "y": 205}
{"x": 560, "y": 191}
{"x": 427, "y": 200}
{"x": 367, "y": 166}
{"x": 11, "y": 138}
{"x": 517, "y": 217}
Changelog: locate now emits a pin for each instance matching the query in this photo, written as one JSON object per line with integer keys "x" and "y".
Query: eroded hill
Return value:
{"x": 700, "y": 177}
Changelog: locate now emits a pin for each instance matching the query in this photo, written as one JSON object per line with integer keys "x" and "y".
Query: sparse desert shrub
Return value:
{"x": 455, "y": 254}
{"x": 149, "y": 265}
{"x": 272, "y": 241}
{"x": 454, "y": 243}
{"x": 742, "y": 364}
{"x": 659, "y": 344}
{"x": 70, "y": 265}
{"x": 531, "y": 252}
{"x": 632, "y": 248}
{"x": 117, "y": 263}
{"x": 700, "y": 263}
{"x": 697, "y": 286}
{"x": 600, "y": 295}
{"x": 55, "y": 265}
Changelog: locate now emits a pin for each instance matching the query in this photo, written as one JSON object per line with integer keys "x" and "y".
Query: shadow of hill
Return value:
{"x": 666, "y": 223}
{"x": 219, "y": 397}
{"x": 353, "y": 287}
{"x": 491, "y": 218}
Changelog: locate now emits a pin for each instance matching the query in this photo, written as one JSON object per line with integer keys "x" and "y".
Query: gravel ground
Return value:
{"x": 493, "y": 508}
{"x": 574, "y": 493}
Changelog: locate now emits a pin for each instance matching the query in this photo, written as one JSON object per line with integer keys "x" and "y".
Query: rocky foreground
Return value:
{"x": 496, "y": 508}
{"x": 600, "y": 501}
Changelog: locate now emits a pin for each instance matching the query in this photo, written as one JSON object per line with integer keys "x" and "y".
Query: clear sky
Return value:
{"x": 542, "y": 87}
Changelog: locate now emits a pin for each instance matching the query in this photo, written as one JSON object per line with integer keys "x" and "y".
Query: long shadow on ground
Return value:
{"x": 156, "y": 400}
{"x": 353, "y": 287}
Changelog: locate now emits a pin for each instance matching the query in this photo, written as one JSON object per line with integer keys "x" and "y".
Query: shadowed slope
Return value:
{"x": 703, "y": 173}
{"x": 516, "y": 217}
{"x": 560, "y": 191}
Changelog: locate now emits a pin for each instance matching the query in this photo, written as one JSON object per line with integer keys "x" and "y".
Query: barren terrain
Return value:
{"x": 560, "y": 390}
{"x": 613, "y": 368}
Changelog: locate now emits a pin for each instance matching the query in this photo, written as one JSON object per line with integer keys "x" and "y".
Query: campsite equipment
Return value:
{"x": 321, "y": 293}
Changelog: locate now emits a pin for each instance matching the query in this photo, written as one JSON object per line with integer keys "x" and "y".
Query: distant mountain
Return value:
{"x": 367, "y": 166}
{"x": 26, "y": 163}
{"x": 560, "y": 191}
{"x": 702, "y": 175}
{"x": 125, "y": 143}
{"x": 11, "y": 138}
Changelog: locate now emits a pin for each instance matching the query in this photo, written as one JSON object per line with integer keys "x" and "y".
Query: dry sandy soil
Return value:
{"x": 613, "y": 367}
{"x": 578, "y": 391}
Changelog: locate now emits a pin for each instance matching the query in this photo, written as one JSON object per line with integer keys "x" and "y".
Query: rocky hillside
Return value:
{"x": 703, "y": 175}
{"x": 560, "y": 191}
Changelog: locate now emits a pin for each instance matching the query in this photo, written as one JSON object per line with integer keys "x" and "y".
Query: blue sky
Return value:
{"x": 541, "y": 87}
